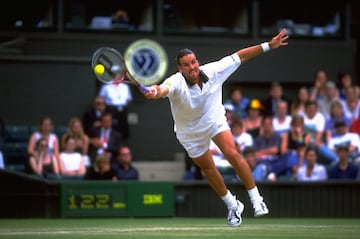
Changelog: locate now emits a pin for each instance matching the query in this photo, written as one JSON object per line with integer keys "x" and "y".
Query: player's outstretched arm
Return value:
{"x": 277, "y": 41}
{"x": 156, "y": 92}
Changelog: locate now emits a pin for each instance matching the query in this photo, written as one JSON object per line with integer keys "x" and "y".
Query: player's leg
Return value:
{"x": 215, "y": 180}
{"x": 225, "y": 142}
{"x": 213, "y": 176}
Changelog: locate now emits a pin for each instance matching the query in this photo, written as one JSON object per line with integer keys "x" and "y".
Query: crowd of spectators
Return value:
{"x": 99, "y": 154}
{"x": 92, "y": 147}
{"x": 313, "y": 136}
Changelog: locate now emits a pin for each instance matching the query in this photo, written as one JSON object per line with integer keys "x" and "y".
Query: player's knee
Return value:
{"x": 231, "y": 154}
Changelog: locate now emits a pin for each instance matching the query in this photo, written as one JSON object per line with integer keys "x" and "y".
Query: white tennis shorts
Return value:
{"x": 197, "y": 143}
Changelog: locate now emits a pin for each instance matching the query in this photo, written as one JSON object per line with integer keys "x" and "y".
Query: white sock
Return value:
{"x": 229, "y": 200}
{"x": 255, "y": 195}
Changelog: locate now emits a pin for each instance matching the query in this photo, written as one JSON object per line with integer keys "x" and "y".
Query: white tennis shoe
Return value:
{"x": 234, "y": 216}
{"x": 260, "y": 209}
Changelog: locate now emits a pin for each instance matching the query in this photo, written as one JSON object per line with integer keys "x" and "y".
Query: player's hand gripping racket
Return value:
{"x": 110, "y": 68}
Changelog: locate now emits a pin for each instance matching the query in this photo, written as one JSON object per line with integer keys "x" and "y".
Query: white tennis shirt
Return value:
{"x": 195, "y": 111}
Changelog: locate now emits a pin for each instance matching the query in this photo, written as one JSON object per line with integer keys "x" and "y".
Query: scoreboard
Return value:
{"x": 116, "y": 199}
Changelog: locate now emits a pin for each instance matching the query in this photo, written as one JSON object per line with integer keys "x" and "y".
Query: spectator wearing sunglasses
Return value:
{"x": 43, "y": 163}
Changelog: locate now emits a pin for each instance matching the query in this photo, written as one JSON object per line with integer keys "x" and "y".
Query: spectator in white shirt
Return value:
{"x": 281, "y": 120}
{"x": 344, "y": 137}
{"x": 241, "y": 137}
{"x": 72, "y": 164}
{"x": 314, "y": 124}
{"x": 311, "y": 171}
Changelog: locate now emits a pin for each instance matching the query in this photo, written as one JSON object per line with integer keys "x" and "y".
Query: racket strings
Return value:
{"x": 115, "y": 68}
{"x": 118, "y": 78}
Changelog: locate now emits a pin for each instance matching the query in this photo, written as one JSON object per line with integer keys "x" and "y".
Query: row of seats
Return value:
{"x": 14, "y": 144}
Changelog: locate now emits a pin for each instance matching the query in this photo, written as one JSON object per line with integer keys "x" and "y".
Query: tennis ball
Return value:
{"x": 99, "y": 69}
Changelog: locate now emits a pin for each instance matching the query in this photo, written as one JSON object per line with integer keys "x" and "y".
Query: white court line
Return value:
{"x": 92, "y": 230}
{"x": 117, "y": 230}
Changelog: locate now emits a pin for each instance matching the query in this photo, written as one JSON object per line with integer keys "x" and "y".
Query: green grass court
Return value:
{"x": 160, "y": 228}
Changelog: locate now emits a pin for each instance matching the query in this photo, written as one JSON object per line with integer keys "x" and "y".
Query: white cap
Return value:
{"x": 229, "y": 107}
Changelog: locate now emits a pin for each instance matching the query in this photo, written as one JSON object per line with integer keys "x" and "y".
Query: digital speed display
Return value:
{"x": 108, "y": 199}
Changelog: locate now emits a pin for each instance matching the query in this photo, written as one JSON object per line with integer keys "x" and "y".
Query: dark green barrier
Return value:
{"x": 106, "y": 199}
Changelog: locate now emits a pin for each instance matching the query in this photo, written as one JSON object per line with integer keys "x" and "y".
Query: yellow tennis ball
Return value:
{"x": 99, "y": 69}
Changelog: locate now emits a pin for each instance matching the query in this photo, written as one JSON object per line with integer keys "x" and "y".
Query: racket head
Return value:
{"x": 113, "y": 62}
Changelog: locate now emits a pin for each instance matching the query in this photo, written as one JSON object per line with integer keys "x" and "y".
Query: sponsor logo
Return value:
{"x": 146, "y": 61}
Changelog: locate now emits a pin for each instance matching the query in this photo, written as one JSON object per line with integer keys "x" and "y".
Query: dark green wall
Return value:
{"x": 31, "y": 197}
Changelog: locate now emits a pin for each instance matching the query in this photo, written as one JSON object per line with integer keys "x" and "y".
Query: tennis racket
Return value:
{"x": 109, "y": 67}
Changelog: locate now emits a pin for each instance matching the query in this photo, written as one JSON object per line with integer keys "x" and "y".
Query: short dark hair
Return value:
{"x": 311, "y": 147}
{"x": 248, "y": 150}
{"x": 106, "y": 113}
{"x": 183, "y": 52}
{"x": 38, "y": 142}
{"x": 310, "y": 102}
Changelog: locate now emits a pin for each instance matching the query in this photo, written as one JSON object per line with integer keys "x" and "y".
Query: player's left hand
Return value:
{"x": 279, "y": 40}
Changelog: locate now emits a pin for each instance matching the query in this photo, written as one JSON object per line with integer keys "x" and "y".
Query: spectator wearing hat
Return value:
{"x": 253, "y": 121}
{"x": 344, "y": 169}
{"x": 344, "y": 137}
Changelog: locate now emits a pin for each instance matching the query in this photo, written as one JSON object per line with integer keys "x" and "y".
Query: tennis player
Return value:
{"x": 195, "y": 95}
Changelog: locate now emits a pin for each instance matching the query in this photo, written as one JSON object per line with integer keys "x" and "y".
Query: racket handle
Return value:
{"x": 143, "y": 88}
